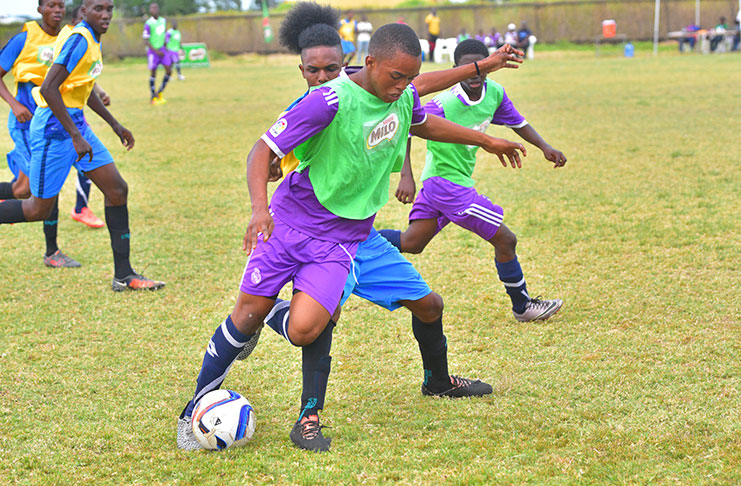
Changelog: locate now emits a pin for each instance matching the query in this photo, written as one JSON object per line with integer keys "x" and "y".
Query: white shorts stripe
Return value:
{"x": 476, "y": 214}
{"x": 484, "y": 210}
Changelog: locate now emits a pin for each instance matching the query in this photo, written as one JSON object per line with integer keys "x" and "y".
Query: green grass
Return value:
{"x": 635, "y": 381}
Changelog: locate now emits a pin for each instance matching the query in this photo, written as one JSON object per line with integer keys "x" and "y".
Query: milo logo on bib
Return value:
{"x": 45, "y": 55}
{"x": 383, "y": 131}
{"x": 95, "y": 69}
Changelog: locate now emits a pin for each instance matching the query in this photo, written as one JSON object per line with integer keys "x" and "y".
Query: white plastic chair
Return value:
{"x": 425, "y": 45}
{"x": 445, "y": 47}
{"x": 530, "y": 54}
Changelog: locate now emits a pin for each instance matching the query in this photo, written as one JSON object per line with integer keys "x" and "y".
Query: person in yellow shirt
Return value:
{"x": 348, "y": 28}
{"x": 27, "y": 56}
{"x": 61, "y": 138}
{"x": 433, "y": 30}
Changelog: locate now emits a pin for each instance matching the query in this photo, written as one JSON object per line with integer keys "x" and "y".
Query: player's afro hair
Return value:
{"x": 470, "y": 46}
{"x": 309, "y": 24}
{"x": 391, "y": 38}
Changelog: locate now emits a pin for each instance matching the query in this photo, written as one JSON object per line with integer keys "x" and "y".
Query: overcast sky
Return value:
{"x": 19, "y": 7}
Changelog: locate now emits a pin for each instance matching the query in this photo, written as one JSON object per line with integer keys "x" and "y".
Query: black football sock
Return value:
{"x": 12, "y": 212}
{"x": 152, "y": 80}
{"x": 164, "y": 83}
{"x": 316, "y": 364}
{"x": 117, "y": 220}
{"x": 6, "y": 190}
{"x": 434, "y": 349}
{"x": 51, "y": 224}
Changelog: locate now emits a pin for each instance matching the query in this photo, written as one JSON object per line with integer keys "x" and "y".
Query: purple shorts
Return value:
{"x": 445, "y": 201}
{"x": 317, "y": 267}
{"x": 174, "y": 57}
{"x": 154, "y": 60}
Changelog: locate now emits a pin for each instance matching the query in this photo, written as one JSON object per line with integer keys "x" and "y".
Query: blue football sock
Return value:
{"x": 510, "y": 273}
{"x": 315, "y": 367}
{"x": 394, "y": 237}
{"x": 152, "y": 80}
{"x": 277, "y": 319}
{"x": 222, "y": 350}
{"x": 83, "y": 191}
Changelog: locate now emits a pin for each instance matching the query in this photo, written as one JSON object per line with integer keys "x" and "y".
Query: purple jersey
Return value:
{"x": 506, "y": 114}
{"x": 295, "y": 202}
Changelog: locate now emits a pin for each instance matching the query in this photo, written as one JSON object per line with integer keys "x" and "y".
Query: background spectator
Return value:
{"x": 523, "y": 37}
{"x": 510, "y": 37}
{"x": 464, "y": 35}
{"x": 718, "y": 33}
{"x": 348, "y": 28}
{"x": 365, "y": 29}
{"x": 494, "y": 39}
{"x": 433, "y": 29}
{"x": 690, "y": 38}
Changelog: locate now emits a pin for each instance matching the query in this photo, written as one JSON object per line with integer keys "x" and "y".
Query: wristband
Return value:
{"x": 478, "y": 71}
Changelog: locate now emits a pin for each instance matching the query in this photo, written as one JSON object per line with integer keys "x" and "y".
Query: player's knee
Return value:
{"x": 413, "y": 245}
{"x": 36, "y": 211}
{"x": 22, "y": 192}
{"x": 118, "y": 194}
{"x": 431, "y": 308}
{"x": 303, "y": 333}
{"x": 302, "y": 337}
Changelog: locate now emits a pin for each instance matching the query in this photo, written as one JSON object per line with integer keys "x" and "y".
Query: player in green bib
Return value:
{"x": 155, "y": 37}
{"x": 447, "y": 194}
{"x": 174, "y": 46}
{"x": 349, "y": 134}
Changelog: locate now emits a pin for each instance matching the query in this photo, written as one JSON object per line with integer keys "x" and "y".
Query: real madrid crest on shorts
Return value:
{"x": 256, "y": 277}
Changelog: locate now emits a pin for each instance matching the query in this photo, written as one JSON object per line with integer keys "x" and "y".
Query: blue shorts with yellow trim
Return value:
{"x": 52, "y": 157}
{"x": 381, "y": 275}
{"x": 19, "y": 159}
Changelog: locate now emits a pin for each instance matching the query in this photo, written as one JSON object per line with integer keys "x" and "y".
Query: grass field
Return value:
{"x": 635, "y": 381}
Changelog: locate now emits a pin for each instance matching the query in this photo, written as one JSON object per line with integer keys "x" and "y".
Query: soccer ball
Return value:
{"x": 223, "y": 418}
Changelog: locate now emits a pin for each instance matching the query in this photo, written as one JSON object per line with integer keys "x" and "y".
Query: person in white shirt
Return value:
{"x": 365, "y": 29}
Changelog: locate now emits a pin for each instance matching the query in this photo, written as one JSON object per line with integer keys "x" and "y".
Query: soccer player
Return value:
{"x": 60, "y": 138}
{"x": 81, "y": 212}
{"x": 448, "y": 193}
{"x": 381, "y": 274}
{"x": 27, "y": 56}
{"x": 173, "y": 47}
{"x": 155, "y": 31}
{"x": 349, "y": 133}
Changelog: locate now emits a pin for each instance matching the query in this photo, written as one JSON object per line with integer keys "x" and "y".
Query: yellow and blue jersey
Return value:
{"x": 27, "y": 56}
{"x": 81, "y": 56}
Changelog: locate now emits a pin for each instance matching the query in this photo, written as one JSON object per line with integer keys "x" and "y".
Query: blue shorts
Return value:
{"x": 53, "y": 157}
{"x": 383, "y": 276}
{"x": 19, "y": 159}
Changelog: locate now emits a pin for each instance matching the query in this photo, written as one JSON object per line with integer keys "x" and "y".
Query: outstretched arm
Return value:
{"x": 442, "y": 130}
{"x": 529, "y": 134}
{"x": 97, "y": 105}
{"x": 406, "y": 189}
{"x": 432, "y": 82}
{"x": 258, "y": 162}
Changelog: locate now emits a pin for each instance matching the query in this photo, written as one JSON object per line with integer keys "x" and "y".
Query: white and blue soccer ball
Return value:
{"x": 223, "y": 418}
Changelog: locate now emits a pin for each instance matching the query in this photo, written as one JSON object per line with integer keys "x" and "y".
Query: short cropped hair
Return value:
{"x": 470, "y": 46}
{"x": 391, "y": 38}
